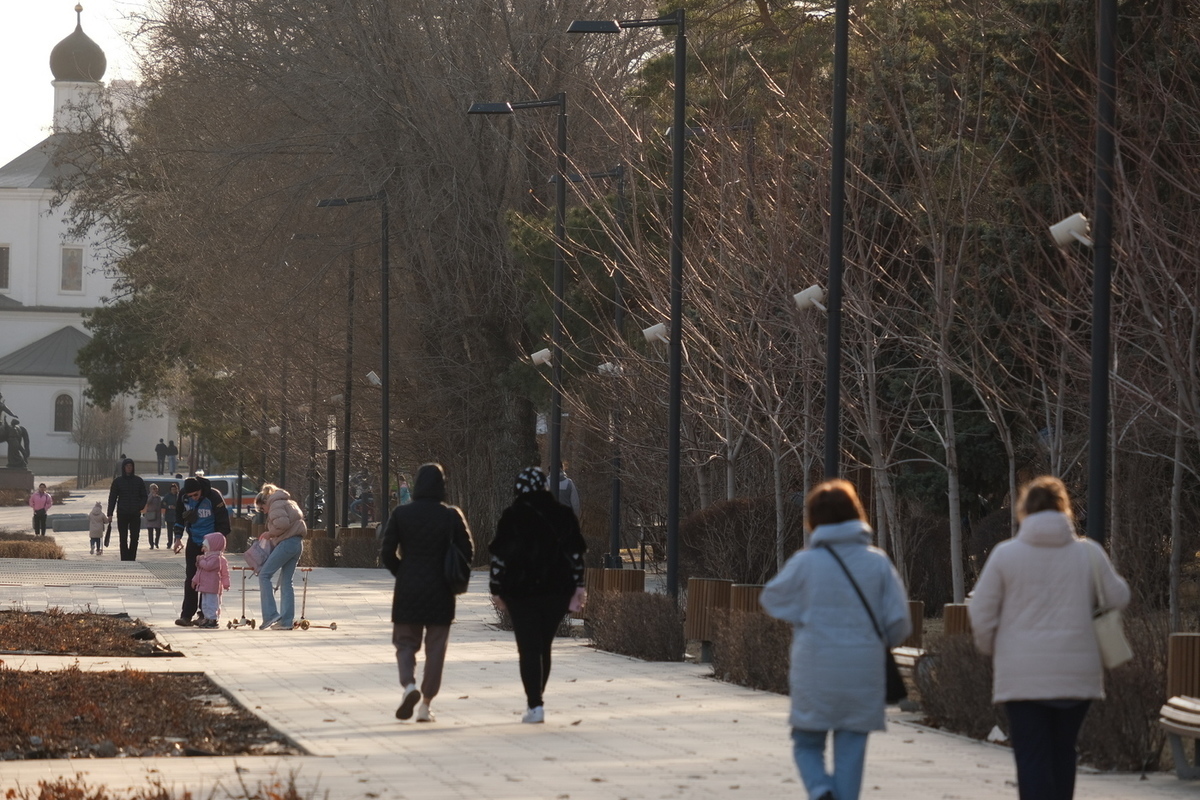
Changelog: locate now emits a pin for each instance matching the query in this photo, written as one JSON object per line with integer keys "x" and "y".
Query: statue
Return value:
{"x": 18, "y": 444}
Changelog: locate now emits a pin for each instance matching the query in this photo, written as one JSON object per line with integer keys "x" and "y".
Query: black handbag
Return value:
{"x": 107, "y": 534}
{"x": 457, "y": 569}
{"x": 896, "y": 690}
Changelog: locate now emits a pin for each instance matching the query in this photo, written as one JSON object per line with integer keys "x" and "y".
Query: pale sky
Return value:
{"x": 29, "y": 29}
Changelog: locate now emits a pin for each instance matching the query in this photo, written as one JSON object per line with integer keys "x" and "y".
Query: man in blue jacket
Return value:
{"x": 199, "y": 511}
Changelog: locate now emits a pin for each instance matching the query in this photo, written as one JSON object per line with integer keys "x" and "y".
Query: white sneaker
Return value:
{"x": 424, "y": 714}
{"x": 410, "y": 699}
{"x": 537, "y": 714}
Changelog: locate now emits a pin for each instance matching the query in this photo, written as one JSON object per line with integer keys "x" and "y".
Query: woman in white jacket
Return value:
{"x": 837, "y": 677}
{"x": 1032, "y": 612}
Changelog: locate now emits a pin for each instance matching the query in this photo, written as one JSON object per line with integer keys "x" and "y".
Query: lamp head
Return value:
{"x": 610, "y": 369}
{"x": 1074, "y": 228}
{"x": 374, "y": 379}
{"x": 540, "y": 358}
{"x": 490, "y": 108}
{"x": 594, "y": 26}
{"x": 811, "y": 297}
{"x": 656, "y": 333}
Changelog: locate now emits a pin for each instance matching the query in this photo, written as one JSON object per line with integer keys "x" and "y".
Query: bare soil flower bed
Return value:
{"x": 78, "y": 714}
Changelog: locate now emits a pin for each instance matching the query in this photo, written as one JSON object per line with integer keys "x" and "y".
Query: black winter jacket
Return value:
{"x": 128, "y": 492}
{"x": 414, "y": 550}
{"x": 538, "y": 549}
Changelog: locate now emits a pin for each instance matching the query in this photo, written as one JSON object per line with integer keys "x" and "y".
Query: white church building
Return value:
{"x": 48, "y": 282}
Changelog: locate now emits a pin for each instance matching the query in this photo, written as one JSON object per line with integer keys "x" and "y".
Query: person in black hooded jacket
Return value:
{"x": 414, "y": 550}
{"x": 537, "y": 576}
{"x": 128, "y": 495}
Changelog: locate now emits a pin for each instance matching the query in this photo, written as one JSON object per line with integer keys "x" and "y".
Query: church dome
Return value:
{"x": 77, "y": 57}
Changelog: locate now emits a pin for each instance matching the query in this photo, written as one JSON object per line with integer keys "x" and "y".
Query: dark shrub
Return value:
{"x": 639, "y": 624}
{"x": 752, "y": 649}
{"x": 358, "y": 553}
{"x": 318, "y": 552}
{"x": 955, "y": 683}
{"x": 1120, "y": 732}
{"x": 735, "y": 540}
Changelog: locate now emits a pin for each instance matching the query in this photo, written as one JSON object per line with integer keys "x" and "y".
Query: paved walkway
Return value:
{"x": 615, "y": 727}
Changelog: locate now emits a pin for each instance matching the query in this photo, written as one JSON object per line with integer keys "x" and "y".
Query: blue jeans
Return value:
{"x": 283, "y": 559}
{"x": 849, "y": 753}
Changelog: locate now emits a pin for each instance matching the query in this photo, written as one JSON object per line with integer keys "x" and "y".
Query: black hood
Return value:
{"x": 128, "y": 463}
{"x": 430, "y": 483}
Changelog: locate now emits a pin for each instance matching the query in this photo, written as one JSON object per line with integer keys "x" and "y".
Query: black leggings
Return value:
{"x": 535, "y": 621}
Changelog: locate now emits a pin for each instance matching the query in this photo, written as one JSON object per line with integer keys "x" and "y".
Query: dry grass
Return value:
{"x": 79, "y": 789}
{"x": 42, "y": 547}
{"x": 128, "y": 712}
{"x": 60, "y": 633}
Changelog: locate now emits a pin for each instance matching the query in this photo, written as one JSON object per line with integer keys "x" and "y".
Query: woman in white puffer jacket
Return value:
{"x": 1032, "y": 612}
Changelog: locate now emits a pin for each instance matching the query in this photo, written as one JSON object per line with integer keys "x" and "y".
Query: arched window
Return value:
{"x": 64, "y": 413}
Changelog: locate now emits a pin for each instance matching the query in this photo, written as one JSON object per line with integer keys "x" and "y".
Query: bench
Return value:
{"x": 1180, "y": 718}
{"x": 67, "y": 522}
{"x": 906, "y": 660}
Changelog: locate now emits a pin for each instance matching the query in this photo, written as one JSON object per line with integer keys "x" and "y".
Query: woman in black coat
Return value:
{"x": 414, "y": 550}
{"x": 537, "y": 575}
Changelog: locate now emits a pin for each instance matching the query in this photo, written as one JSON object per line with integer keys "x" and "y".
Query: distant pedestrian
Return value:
{"x": 405, "y": 494}
{"x": 152, "y": 517}
{"x": 160, "y": 450}
{"x": 97, "y": 520}
{"x": 128, "y": 495}
{"x": 170, "y": 499}
{"x": 172, "y": 457}
{"x": 1032, "y": 612}
{"x": 414, "y": 551}
{"x": 211, "y": 578}
{"x": 537, "y": 576}
{"x": 199, "y": 511}
{"x": 285, "y": 533}
{"x": 840, "y": 595}
{"x": 120, "y": 465}
{"x": 568, "y": 493}
{"x": 40, "y": 501}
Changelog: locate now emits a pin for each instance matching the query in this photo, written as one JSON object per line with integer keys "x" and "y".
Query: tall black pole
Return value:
{"x": 346, "y": 395}
{"x": 614, "y": 511}
{"x": 556, "y": 334}
{"x": 382, "y": 503}
{"x": 1106, "y": 90}
{"x": 283, "y": 428}
{"x": 675, "y": 396}
{"x": 837, "y": 207}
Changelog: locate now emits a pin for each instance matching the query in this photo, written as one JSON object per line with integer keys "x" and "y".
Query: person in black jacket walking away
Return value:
{"x": 414, "y": 550}
{"x": 128, "y": 495}
{"x": 537, "y": 576}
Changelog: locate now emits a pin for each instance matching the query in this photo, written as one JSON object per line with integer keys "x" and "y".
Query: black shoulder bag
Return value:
{"x": 456, "y": 567}
{"x": 896, "y": 690}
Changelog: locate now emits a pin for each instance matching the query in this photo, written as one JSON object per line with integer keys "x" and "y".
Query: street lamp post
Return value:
{"x": 837, "y": 206}
{"x": 675, "y": 392}
{"x": 560, "y": 214}
{"x": 614, "y": 525}
{"x": 386, "y": 331}
{"x": 1106, "y": 90}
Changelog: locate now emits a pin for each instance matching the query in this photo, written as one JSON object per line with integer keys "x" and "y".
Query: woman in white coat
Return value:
{"x": 837, "y": 676}
{"x": 1032, "y": 612}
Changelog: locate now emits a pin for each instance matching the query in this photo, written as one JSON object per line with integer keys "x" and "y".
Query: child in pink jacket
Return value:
{"x": 212, "y": 578}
